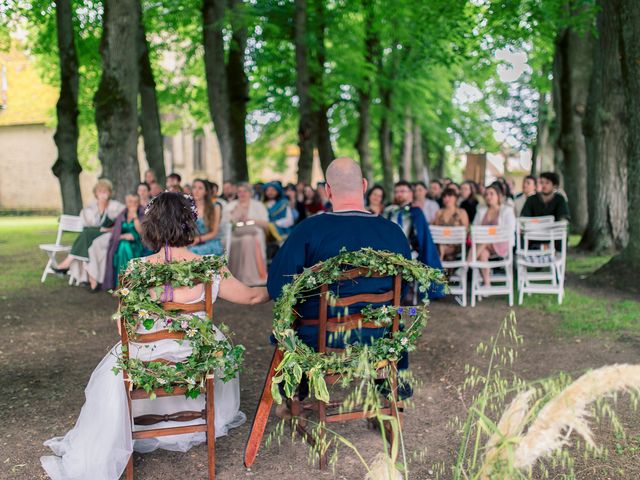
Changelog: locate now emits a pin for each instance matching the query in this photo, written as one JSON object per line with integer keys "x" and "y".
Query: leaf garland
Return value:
{"x": 357, "y": 360}
{"x": 138, "y": 308}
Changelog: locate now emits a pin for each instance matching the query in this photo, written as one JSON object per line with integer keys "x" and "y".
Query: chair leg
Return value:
{"x": 129, "y": 469}
{"x": 474, "y": 274}
{"x": 211, "y": 428}
{"x": 46, "y": 270}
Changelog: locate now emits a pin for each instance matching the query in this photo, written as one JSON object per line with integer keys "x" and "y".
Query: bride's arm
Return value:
{"x": 233, "y": 290}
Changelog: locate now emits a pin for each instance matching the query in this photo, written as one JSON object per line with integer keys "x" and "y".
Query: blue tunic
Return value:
{"x": 323, "y": 236}
{"x": 210, "y": 247}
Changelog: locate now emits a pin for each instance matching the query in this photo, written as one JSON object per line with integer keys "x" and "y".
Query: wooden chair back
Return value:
{"x": 133, "y": 393}
{"x": 345, "y": 324}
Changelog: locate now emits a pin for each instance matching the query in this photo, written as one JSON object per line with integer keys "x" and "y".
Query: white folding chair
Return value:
{"x": 67, "y": 223}
{"x": 541, "y": 265}
{"x": 523, "y": 222}
{"x": 456, "y": 236}
{"x": 499, "y": 284}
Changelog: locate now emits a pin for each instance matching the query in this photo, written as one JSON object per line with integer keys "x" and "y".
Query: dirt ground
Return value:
{"x": 54, "y": 337}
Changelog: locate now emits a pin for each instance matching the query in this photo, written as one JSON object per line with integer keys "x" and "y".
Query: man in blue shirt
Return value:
{"x": 349, "y": 226}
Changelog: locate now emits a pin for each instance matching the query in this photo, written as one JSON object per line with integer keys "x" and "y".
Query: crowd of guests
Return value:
{"x": 250, "y": 222}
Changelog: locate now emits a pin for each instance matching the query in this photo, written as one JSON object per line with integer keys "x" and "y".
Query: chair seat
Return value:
{"x": 490, "y": 264}
{"x": 52, "y": 247}
{"x": 537, "y": 260}
{"x": 454, "y": 264}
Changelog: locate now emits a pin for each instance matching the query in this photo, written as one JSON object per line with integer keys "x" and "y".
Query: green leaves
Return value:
{"x": 208, "y": 353}
{"x": 358, "y": 361}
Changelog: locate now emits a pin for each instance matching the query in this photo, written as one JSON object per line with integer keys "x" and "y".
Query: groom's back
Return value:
{"x": 322, "y": 237}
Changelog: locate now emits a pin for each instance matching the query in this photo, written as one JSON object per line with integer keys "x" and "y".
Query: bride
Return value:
{"x": 100, "y": 444}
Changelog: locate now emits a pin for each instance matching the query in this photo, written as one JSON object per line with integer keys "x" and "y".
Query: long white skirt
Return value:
{"x": 99, "y": 446}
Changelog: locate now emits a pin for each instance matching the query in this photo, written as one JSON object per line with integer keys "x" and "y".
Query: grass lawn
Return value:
{"x": 588, "y": 314}
{"x": 21, "y": 259}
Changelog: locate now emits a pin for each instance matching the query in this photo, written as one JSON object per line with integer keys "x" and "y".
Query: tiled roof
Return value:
{"x": 28, "y": 99}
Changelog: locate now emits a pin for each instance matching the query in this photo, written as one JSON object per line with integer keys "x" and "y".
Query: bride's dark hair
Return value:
{"x": 169, "y": 219}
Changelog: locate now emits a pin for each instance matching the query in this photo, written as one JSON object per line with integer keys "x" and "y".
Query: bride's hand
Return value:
{"x": 233, "y": 290}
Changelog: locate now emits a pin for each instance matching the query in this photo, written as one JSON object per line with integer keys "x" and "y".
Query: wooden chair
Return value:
{"x": 133, "y": 393}
{"x": 327, "y": 412}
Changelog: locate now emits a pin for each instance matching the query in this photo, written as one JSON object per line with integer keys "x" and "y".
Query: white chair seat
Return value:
{"x": 50, "y": 247}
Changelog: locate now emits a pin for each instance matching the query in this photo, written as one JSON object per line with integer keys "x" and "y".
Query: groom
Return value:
{"x": 349, "y": 226}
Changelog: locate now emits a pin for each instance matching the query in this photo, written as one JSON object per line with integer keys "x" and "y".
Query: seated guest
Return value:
{"x": 173, "y": 183}
{"x": 126, "y": 242}
{"x": 144, "y": 193}
{"x": 349, "y": 226}
{"x": 247, "y": 253}
{"x": 98, "y": 218}
{"x": 375, "y": 200}
{"x": 435, "y": 191}
{"x": 296, "y": 206}
{"x": 548, "y": 201}
{"x": 229, "y": 191}
{"x": 528, "y": 189}
{"x": 505, "y": 188}
{"x": 469, "y": 202}
{"x": 411, "y": 220}
{"x": 206, "y": 242}
{"x": 258, "y": 190}
{"x": 149, "y": 177}
{"x": 100, "y": 268}
{"x": 280, "y": 214}
{"x": 498, "y": 214}
{"x": 422, "y": 201}
{"x": 324, "y": 197}
{"x": 312, "y": 201}
{"x": 155, "y": 189}
{"x": 450, "y": 215}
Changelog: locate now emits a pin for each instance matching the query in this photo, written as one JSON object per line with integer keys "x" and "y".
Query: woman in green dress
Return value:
{"x": 98, "y": 218}
{"x": 130, "y": 244}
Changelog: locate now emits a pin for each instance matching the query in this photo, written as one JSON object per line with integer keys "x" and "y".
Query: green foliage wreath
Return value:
{"x": 357, "y": 360}
{"x": 137, "y": 307}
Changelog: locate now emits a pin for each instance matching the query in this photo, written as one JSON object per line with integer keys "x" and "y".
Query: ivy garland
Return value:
{"x": 357, "y": 360}
{"x": 137, "y": 307}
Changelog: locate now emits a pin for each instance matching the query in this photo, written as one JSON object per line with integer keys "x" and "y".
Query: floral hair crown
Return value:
{"x": 192, "y": 205}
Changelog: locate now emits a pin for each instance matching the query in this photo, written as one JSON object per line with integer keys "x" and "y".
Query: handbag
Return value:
{"x": 240, "y": 229}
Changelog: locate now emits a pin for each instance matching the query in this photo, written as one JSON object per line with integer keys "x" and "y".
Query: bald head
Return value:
{"x": 344, "y": 177}
{"x": 345, "y": 185}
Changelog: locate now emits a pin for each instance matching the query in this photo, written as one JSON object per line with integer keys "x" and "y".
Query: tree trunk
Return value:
{"x": 606, "y": 135}
{"x": 575, "y": 51}
{"x": 543, "y": 144}
{"x": 67, "y": 167}
{"x": 439, "y": 170}
{"x": 115, "y": 100}
{"x": 418, "y": 159}
{"x": 238, "y": 85}
{"x": 362, "y": 142}
{"x": 626, "y": 265}
{"x": 364, "y": 92}
{"x": 213, "y": 12}
{"x": 307, "y": 126}
{"x": 556, "y": 95}
{"x": 385, "y": 141}
{"x": 323, "y": 139}
{"x": 407, "y": 147}
{"x": 149, "y": 115}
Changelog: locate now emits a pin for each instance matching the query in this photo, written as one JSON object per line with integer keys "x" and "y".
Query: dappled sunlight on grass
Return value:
{"x": 21, "y": 259}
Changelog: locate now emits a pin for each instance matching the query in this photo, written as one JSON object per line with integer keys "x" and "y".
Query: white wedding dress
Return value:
{"x": 99, "y": 446}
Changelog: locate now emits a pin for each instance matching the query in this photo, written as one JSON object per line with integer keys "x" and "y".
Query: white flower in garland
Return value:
{"x": 124, "y": 292}
{"x": 162, "y": 381}
{"x": 142, "y": 313}
{"x": 404, "y": 341}
{"x": 192, "y": 332}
